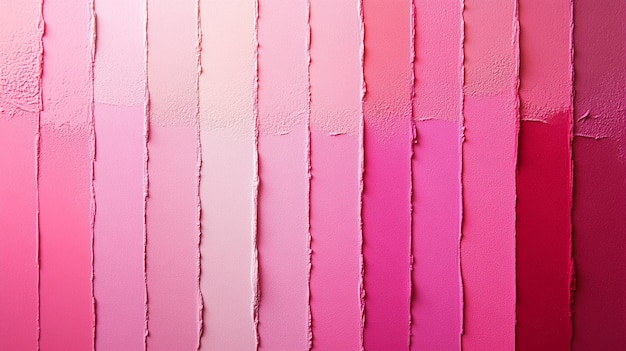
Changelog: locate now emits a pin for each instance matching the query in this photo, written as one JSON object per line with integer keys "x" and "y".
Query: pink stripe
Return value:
{"x": 544, "y": 177}
{"x": 229, "y": 171}
{"x": 119, "y": 93}
{"x": 436, "y": 299}
{"x": 599, "y": 150}
{"x": 20, "y": 54}
{"x": 437, "y": 302}
{"x": 65, "y": 178}
{"x": 335, "y": 166}
{"x": 172, "y": 213}
{"x": 489, "y": 165}
{"x": 387, "y": 180}
{"x": 283, "y": 241}
{"x": 119, "y": 286}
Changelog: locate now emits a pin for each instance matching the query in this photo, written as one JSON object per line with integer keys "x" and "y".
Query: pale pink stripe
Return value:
{"x": 172, "y": 212}
{"x": 119, "y": 286}
{"x": 283, "y": 241}
{"x": 335, "y": 194}
{"x": 119, "y": 92}
{"x": 229, "y": 170}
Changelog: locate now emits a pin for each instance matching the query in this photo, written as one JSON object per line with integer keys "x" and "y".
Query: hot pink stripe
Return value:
{"x": 283, "y": 222}
{"x": 599, "y": 151}
{"x": 172, "y": 213}
{"x": 387, "y": 179}
{"x": 335, "y": 195}
{"x": 437, "y": 302}
{"x": 20, "y": 54}
{"x": 65, "y": 178}
{"x": 436, "y": 299}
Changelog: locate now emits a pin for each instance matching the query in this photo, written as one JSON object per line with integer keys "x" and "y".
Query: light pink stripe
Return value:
{"x": 229, "y": 174}
{"x": 335, "y": 194}
{"x": 489, "y": 164}
{"x": 65, "y": 178}
{"x": 388, "y": 136}
{"x": 283, "y": 169}
{"x": 119, "y": 286}
{"x": 119, "y": 93}
{"x": 172, "y": 213}
{"x": 20, "y": 53}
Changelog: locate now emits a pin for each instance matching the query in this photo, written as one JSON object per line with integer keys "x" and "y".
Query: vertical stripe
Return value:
{"x": 21, "y": 30}
{"x": 283, "y": 170}
{"x": 599, "y": 151}
{"x": 489, "y": 164}
{"x": 387, "y": 179}
{"x": 335, "y": 195}
{"x": 173, "y": 169}
{"x": 119, "y": 94}
{"x": 228, "y": 179}
{"x": 436, "y": 296}
{"x": 65, "y": 177}
{"x": 544, "y": 177}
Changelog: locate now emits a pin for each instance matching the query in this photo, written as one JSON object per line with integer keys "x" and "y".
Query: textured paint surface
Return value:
{"x": 544, "y": 177}
{"x": 436, "y": 308}
{"x": 65, "y": 178}
{"x": 172, "y": 213}
{"x": 599, "y": 152}
{"x": 21, "y": 30}
{"x": 228, "y": 178}
{"x": 335, "y": 182}
{"x": 283, "y": 242}
{"x": 489, "y": 165}
{"x": 119, "y": 116}
{"x": 386, "y": 199}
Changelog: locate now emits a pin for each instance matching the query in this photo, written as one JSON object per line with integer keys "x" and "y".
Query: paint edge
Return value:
{"x": 516, "y": 90}
{"x": 411, "y": 159}
{"x": 254, "y": 269}
{"x": 361, "y": 131}
{"x": 310, "y": 337}
{"x": 42, "y": 28}
{"x": 146, "y": 179}
{"x": 461, "y": 170}
{"x": 571, "y": 125}
{"x": 199, "y": 297}
{"x": 92, "y": 154}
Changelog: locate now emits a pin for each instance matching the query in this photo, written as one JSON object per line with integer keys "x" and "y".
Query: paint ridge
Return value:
{"x": 411, "y": 158}
{"x": 256, "y": 287}
{"x": 362, "y": 291}
{"x": 571, "y": 124}
{"x": 308, "y": 166}
{"x": 92, "y": 155}
{"x": 146, "y": 180}
{"x": 199, "y": 176}
{"x": 461, "y": 145}
{"x": 41, "y": 26}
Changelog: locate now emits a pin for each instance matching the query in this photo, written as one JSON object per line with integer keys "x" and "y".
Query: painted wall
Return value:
{"x": 312, "y": 174}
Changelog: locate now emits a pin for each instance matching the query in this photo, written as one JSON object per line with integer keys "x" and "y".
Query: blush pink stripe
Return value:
{"x": 283, "y": 217}
{"x": 172, "y": 212}
{"x": 335, "y": 181}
